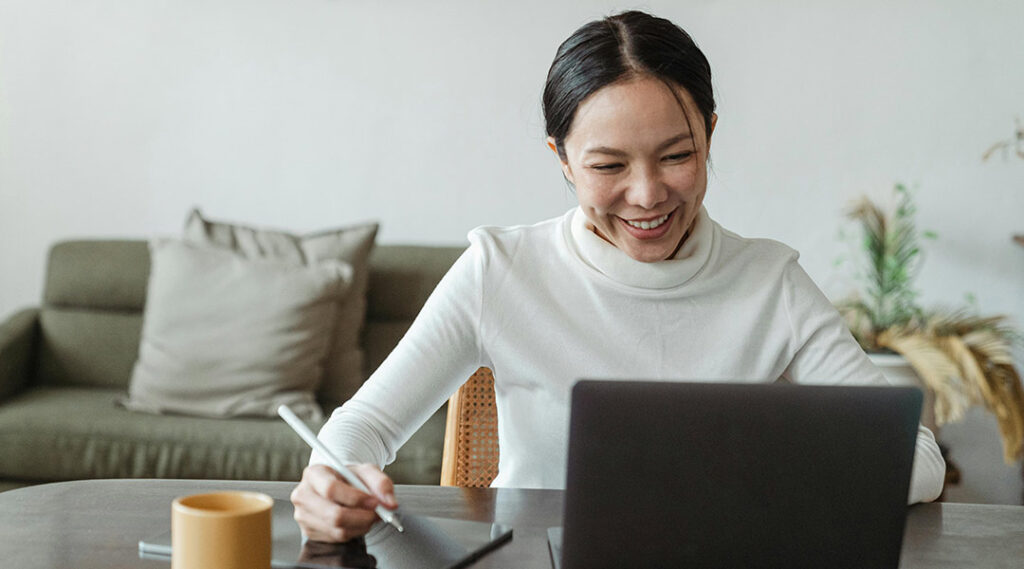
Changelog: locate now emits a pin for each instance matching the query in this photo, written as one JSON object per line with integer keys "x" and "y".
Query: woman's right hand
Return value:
{"x": 329, "y": 509}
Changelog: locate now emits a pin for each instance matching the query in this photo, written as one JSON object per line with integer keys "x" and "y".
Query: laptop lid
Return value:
{"x": 737, "y": 475}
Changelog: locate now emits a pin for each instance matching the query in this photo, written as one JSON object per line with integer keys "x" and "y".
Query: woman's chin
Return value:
{"x": 652, "y": 250}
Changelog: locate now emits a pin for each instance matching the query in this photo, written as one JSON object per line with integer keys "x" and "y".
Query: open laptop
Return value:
{"x": 736, "y": 475}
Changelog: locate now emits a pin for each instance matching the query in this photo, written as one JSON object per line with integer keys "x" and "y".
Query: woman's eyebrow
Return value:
{"x": 616, "y": 152}
{"x": 677, "y": 138}
{"x": 605, "y": 150}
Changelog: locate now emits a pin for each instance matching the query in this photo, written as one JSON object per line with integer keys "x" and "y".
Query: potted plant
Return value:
{"x": 961, "y": 358}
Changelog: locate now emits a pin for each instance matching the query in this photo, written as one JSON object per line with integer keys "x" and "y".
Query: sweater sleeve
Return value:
{"x": 825, "y": 352}
{"x": 436, "y": 356}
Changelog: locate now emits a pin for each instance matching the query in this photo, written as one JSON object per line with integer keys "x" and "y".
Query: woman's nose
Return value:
{"x": 646, "y": 189}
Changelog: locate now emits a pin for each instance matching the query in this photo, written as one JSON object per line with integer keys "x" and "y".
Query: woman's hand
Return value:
{"x": 328, "y": 509}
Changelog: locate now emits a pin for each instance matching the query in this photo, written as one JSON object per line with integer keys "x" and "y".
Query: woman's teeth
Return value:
{"x": 648, "y": 224}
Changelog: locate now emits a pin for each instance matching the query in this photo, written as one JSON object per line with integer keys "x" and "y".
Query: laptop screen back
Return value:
{"x": 737, "y": 475}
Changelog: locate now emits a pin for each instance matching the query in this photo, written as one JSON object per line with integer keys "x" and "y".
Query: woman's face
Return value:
{"x": 638, "y": 165}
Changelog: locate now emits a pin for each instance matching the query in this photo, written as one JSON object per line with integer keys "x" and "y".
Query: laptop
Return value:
{"x": 736, "y": 475}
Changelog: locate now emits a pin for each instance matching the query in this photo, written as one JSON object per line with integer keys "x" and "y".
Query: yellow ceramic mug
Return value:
{"x": 222, "y": 530}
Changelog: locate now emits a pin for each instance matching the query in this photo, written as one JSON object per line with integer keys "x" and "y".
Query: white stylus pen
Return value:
{"x": 307, "y": 435}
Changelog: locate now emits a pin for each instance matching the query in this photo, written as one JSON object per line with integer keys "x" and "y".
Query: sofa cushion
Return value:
{"x": 225, "y": 336}
{"x": 49, "y": 434}
{"x": 404, "y": 276}
{"x": 87, "y": 347}
{"x": 343, "y": 373}
{"x": 91, "y": 316}
{"x": 97, "y": 274}
{"x": 64, "y": 433}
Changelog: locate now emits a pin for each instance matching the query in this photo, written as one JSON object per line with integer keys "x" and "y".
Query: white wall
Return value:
{"x": 117, "y": 116}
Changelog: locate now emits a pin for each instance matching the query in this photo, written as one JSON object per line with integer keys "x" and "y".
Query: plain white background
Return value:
{"x": 116, "y": 117}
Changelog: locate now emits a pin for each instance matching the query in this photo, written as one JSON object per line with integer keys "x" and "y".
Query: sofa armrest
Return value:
{"x": 17, "y": 338}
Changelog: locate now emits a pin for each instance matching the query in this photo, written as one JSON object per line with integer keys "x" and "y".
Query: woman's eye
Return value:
{"x": 606, "y": 167}
{"x": 678, "y": 156}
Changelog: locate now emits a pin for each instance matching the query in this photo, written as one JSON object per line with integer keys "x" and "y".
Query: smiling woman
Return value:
{"x": 638, "y": 169}
{"x": 636, "y": 282}
{"x": 630, "y": 112}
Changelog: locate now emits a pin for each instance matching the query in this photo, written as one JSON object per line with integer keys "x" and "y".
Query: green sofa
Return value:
{"x": 64, "y": 364}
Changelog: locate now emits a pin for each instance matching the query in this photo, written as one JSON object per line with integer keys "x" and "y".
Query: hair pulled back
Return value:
{"x": 616, "y": 48}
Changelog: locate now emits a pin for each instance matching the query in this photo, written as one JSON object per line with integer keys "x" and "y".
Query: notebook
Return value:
{"x": 736, "y": 475}
{"x": 426, "y": 543}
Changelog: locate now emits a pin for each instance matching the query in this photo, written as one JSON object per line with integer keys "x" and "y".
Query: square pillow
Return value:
{"x": 343, "y": 373}
{"x": 226, "y": 336}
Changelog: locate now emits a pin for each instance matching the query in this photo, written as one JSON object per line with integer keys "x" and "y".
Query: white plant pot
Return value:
{"x": 899, "y": 372}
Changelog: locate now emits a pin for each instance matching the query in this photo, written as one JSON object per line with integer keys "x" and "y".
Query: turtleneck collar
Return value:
{"x": 612, "y": 262}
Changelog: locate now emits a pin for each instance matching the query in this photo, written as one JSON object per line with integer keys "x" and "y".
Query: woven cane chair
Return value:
{"x": 470, "y": 458}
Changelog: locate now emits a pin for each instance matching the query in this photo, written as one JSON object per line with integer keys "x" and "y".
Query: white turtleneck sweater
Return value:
{"x": 547, "y": 304}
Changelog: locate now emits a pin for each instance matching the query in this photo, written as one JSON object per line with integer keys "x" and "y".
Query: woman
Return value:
{"x": 637, "y": 281}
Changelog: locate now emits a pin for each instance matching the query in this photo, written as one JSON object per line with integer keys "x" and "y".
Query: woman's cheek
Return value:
{"x": 598, "y": 193}
{"x": 688, "y": 180}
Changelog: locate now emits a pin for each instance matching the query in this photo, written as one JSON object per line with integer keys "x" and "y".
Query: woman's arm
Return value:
{"x": 437, "y": 354}
{"x": 825, "y": 352}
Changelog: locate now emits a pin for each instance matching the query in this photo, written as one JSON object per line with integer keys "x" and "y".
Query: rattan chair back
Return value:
{"x": 470, "y": 458}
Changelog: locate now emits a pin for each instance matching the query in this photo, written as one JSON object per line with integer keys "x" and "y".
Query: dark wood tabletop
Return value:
{"x": 98, "y": 523}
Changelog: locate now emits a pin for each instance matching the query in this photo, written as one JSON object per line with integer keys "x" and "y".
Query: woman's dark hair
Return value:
{"x": 620, "y": 47}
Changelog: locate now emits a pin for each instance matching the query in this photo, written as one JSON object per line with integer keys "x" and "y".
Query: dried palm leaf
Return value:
{"x": 992, "y": 345}
{"x": 1008, "y": 406}
{"x": 961, "y": 375}
{"x": 937, "y": 371}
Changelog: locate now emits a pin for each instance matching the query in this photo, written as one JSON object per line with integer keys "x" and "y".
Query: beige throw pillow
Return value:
{"x": 343, "y": 374}
{"x": 225, "y": 336}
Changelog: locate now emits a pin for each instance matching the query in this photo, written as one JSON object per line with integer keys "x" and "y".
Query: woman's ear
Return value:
{"x": 566, "y": 171}
{"x": 554, "y": 148}
{"x": 714, "y": 121}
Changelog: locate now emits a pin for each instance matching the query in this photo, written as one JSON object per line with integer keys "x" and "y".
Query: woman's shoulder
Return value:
{"x": 754, "y": 251}
{"x": 511, "y": 240}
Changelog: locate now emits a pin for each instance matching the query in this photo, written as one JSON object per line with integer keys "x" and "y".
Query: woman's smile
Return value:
{"x": 650, "y": 227}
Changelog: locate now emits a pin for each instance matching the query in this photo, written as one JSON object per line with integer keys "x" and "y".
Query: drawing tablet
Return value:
{"x": 426, "y": 543}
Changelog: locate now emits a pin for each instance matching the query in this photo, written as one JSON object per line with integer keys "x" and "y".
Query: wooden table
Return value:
{"x": 97, "y": 523}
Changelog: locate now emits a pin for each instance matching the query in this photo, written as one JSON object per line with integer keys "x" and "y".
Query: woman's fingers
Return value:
{"x": 316, "y": 508}
{"x": 329, "y": 484}
{"x": 329, "y": 509}
{"x": 380, "y": 484}
{"x": 327, "y": 521}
